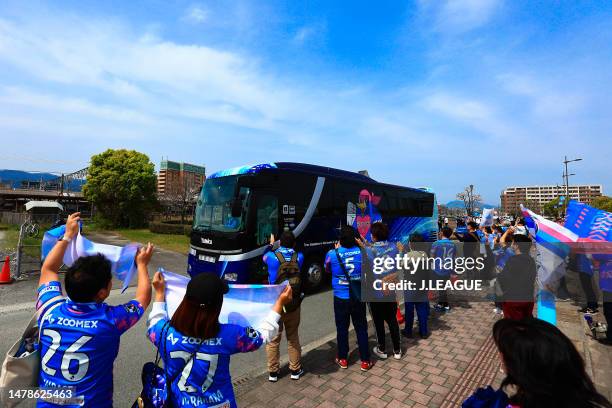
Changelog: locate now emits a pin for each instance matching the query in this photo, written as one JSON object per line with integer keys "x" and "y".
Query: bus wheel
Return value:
{"x": 313, "y": 275}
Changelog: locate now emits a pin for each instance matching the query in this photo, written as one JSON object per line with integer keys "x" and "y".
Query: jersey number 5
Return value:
{"x": 350, "y": 266}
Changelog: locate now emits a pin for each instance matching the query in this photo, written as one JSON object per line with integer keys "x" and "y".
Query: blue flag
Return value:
{"x": 121, "y": 258}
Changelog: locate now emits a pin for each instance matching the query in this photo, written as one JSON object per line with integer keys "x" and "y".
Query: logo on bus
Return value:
{"x": 207, "y": 241}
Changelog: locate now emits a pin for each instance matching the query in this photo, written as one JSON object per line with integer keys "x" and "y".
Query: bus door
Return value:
{"x": 266, "y": 216}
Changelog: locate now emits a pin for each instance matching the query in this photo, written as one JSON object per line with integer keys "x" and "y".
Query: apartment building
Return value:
{"x": 176, "y": 178}
{"x": 536, "y": 196}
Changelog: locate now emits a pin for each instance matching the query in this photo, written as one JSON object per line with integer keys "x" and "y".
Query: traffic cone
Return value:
{"x": 5, "y": 275}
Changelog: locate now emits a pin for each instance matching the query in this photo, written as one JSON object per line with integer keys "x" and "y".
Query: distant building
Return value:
{"x": 535, "y": 197}
{"x": 179, "y": 178}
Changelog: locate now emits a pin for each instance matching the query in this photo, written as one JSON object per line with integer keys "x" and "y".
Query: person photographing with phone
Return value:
{"x": 284, "y": 263}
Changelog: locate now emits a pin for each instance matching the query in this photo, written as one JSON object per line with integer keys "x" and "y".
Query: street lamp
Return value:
{"x": 566, "y": 177}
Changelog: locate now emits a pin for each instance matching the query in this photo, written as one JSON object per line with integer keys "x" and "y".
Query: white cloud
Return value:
{"x": 303, "y": 34}
{"x": 479, "y": 115}
{"x": 78, "y": 106}
{"x": 548, "y": 98}
{"x": 127, "y": 87}
{"x": 457, "y": 16}
{"x": 196, "y": 14}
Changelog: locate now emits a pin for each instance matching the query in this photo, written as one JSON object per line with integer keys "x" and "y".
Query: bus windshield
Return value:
{"x": 214, "y": 210}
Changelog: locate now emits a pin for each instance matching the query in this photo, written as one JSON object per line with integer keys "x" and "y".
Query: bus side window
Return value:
{"x": 267, "y": 218}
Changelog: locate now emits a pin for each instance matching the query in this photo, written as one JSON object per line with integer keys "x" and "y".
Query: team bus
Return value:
{"x": 239, "y": 208}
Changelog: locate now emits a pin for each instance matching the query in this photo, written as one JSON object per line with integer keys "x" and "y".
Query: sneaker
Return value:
{"x": 273, "y": 377}
{"x": 380, "y": 354}
{"x": 438, "y": 308}
{"x": 342, "y": 362}
{"x": 295, "y": 375}
{"x": 425, "y": 335}
{"x": 397, "y": 355}
{"x": 366, "y": 365}
{"x": 447, "y": 308}
{"x": 498, "y": 311}
{"x": 588, "y": 310}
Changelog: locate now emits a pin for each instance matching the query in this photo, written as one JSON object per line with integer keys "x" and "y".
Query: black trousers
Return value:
{"x": 586, "y": 281}
{"x": 607, "y": 309}
{"x": 386, "y": 312}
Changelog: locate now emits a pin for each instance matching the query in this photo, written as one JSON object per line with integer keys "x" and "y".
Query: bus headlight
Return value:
{"x": 232, "y": 277}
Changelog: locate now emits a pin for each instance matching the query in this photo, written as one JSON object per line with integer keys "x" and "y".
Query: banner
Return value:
{"x": 594, "y": 229}
{"x": 121, "y": 258}
{"x": 244, "y": 305}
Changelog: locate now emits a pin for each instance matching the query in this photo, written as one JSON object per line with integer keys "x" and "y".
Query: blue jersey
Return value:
{"x": 382, "y": 250}
{"x": 272, "y": 262}
{"x": 583, "y": 264}
{"x": 378, "y": 253}
{"x": 605, "y": 272}
{"x": 443, "y": 251}
{"x": 502, "y": 255}
{"x": 491, "y": 239}
{"x": 351, "y": 258}
{"x": 201, "y": 367}
{"x": 79, "y": 343}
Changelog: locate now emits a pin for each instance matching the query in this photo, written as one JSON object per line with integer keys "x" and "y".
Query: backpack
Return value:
{"x": 290, "y": 271}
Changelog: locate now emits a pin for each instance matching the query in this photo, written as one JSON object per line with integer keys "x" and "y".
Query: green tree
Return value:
{"x": 551, "y": 208}
{"x": 122, "y": 186}
{"x": 603, "y": 203}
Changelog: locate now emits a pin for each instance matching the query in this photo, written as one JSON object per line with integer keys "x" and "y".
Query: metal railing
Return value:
{"x": 22, "y": 257}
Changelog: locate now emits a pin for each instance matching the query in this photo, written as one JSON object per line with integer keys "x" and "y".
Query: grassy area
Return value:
{"x": 172, "y": 242}
{"x": 11, "y": 237}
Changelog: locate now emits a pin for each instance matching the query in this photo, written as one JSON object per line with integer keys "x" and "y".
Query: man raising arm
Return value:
{"x": 80, "y": 333}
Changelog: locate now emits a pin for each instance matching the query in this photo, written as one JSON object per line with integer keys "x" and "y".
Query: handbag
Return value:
{"x": 156, "y": 386}
{"x": 21, "y": 365}
{"x": 354, "y": 285}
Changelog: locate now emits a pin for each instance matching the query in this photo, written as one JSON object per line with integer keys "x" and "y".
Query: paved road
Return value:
{"x": 17, "y": 306}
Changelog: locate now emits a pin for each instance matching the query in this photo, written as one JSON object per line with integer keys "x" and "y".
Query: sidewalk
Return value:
{"x": 438, "y": 372}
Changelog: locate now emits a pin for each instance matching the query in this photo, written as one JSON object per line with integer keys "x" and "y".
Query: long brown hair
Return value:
{"x": 193, "y": 320}
{"x": 544, "y": 366}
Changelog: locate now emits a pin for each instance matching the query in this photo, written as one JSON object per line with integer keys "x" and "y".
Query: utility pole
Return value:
{"x": 566, "y": 176}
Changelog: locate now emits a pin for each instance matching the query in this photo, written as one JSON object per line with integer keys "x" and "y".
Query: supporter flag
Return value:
{"x": 594, "y": 229}
{"x": 487, "y": 217}
{"x": 122, "y": 258}
{"x": 244, "y": 305}
{"x": 553, "y": 246}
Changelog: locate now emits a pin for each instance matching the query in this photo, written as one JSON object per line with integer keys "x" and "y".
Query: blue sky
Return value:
{"x": 437, "y": 93}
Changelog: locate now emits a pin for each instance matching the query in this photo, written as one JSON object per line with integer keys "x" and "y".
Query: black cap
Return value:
{"x": 206, "y": 289}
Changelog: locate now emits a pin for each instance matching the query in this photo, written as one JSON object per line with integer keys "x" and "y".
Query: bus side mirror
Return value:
{"x": 236, "y": 207}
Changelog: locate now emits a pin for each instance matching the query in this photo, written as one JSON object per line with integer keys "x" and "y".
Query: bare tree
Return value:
{"x": 181, "y": 198}
{"x": 469, "y": 199}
